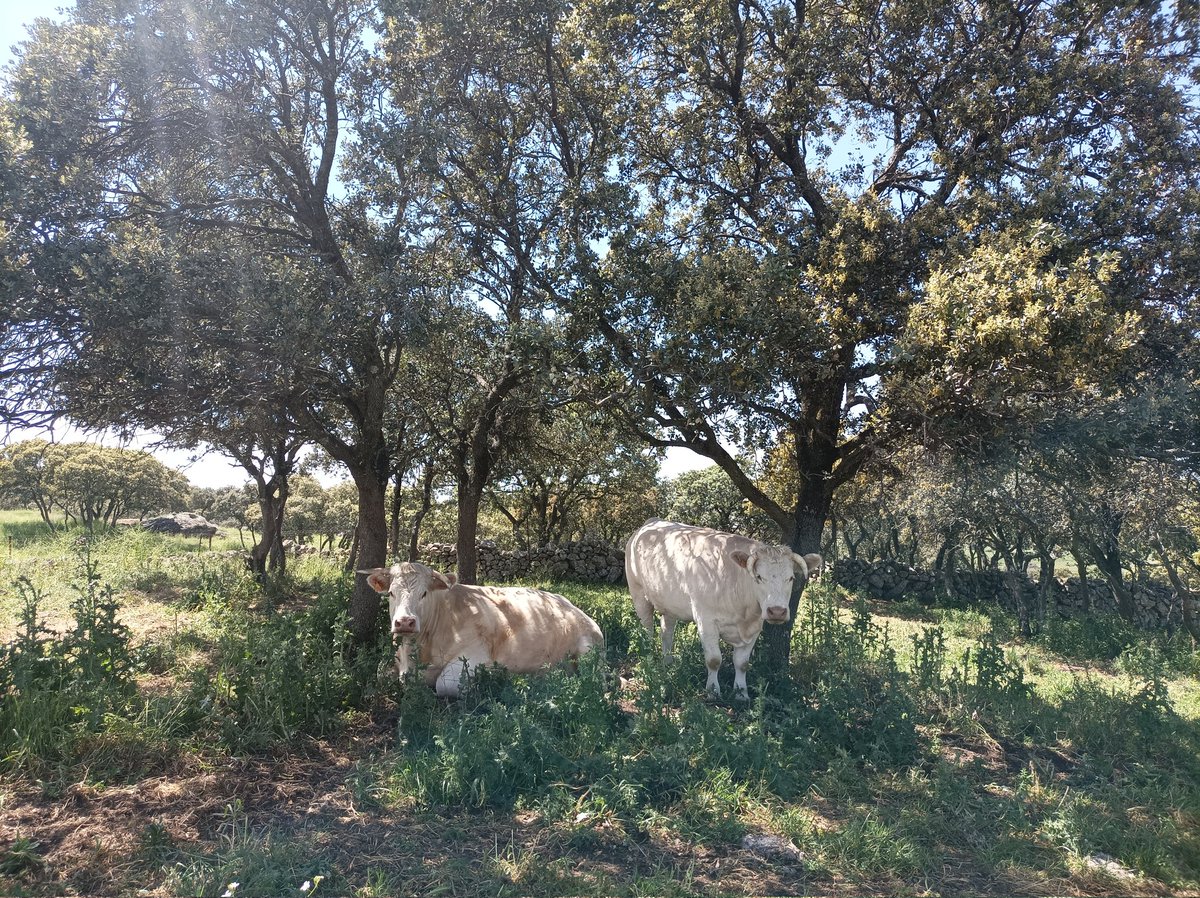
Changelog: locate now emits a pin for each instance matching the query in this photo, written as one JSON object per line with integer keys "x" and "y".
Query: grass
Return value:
{"x": 170, "y": 728}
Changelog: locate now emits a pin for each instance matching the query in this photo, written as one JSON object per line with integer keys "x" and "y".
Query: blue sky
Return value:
{"x": 15, "y": 15}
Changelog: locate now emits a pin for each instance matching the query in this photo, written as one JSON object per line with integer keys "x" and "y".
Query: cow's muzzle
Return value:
{"x": 404, "y": 626}
{"x": 776, "y": 614}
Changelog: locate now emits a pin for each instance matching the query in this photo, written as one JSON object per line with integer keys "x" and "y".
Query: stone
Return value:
{"x": 1106, "y": 863}
{"x": 184, "y": 523}
{"x": 767, "y": 845}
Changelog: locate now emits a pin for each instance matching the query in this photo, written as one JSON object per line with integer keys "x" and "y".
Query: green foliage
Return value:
{"x": 852, "y": 755}
{"x": 273, "y": 679}
{"x": 929, "y": 658}
{"x": 99, "y": 646}
{"x": 1108, "y": 638}
{"x": 708, "y": 498}
{"x": 580, "y": 474}
{"x": 680, "y": 762}
{"x": 56, "y": 688}
{"x": 1009, "y": 323}
{"x": 861, "y": 699}
{"x": 21, "y": 854}
{"x": 986, "y": 676}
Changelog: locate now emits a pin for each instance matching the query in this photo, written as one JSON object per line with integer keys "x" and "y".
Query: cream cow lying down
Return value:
{"x": 727, "y": 584}
{"x": 452, "y": 625}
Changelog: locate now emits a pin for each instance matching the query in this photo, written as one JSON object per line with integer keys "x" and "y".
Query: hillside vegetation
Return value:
{"x": 178, "y": 730}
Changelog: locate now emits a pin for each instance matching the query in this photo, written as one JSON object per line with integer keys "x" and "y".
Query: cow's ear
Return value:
{"x": 441, "y": 581}
{"x": 741, "y": 559}
{"x": 801, "y": 565}
{"x": 379, "y": 578}
{"x": 816, "y": 564}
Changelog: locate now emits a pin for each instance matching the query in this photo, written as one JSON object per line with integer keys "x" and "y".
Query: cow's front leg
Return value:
{"x": 741, "y": 661}
{"x": 710, "y": 640}
{"x": 404, "y": 658}
{"x": 456, "y": 675}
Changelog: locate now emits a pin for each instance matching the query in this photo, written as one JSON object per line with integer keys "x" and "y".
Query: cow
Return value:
{"x": 457, "y": 628}
{"x": 728, "y": 584}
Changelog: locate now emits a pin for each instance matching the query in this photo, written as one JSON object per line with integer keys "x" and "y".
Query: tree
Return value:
{"x": 92, "y": 484}
{"x": 26, "y": 476}
{"x": 97, "y": 484}
{"x": 316, "y": 514}
{"x": 473, "y": 97}
{"x": 231, "y": 507}
{"x": 178, "y": 125}
{"x": 708, "y": 498}
{"x": 573, "y": 473}
{"x": 764, "y": 299}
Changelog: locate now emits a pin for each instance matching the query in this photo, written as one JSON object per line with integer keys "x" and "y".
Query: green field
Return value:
{"x": 175, "y": 730}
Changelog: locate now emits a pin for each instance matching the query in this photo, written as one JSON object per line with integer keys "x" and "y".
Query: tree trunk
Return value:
{"x": 426, "y": 504}
{"x": 1187, "y": 597}
{"x": 44, "y": 511}
{"x": 267, "y": 553}
{"x": 812, "y": 508}
{"x": 352, "y": 557}
{"x": 1085, "y": 590}
{"x": 469, "y": 500}
{"x": 1046, "y": 581}
{"x": 278, "y": 558}
{"x": 1109, "y": 564}
{"x": 394, "y": 521}
{"x": 372, "y": 536}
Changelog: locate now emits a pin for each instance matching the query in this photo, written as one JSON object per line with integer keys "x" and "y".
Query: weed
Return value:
{"x": 20, "y": 856}
{"x": 929, "y": 658}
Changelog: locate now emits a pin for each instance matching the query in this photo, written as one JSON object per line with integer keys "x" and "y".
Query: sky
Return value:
{"x": 14, "y": 15}
{"x": 202, "y": 468}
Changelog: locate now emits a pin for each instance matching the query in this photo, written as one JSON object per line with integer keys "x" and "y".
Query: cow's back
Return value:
{"x": 521, "y": 628}
{"x": 681, "y": 569}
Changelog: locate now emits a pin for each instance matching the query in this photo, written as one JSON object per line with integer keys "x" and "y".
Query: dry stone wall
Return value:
{"x": 593, "y": 562}
{"x": 1157, "y": 606}
{"x": 587, "y": 562}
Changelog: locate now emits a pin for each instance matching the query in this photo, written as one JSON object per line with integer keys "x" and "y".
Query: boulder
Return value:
{"x": 185, "y": 523}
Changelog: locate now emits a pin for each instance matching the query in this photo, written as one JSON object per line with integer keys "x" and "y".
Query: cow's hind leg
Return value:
{"x": 668, "y": 636}
{"x": 645, "y": 611}
{"x": 710, "y": 640}
{"x": 741, "y": 661}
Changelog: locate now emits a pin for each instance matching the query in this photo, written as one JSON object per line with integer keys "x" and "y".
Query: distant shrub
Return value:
{"x": 1094, "y": 637}
{"x": 1106, "y": 637}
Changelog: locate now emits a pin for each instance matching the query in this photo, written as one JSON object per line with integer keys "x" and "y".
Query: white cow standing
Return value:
{"x": 728, "y": 584}
{"x": 457, "y": 628}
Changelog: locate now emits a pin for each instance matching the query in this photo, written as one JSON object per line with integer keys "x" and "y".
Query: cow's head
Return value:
{"x": 773, "y": 569}
{"x": 412, "y": 589}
